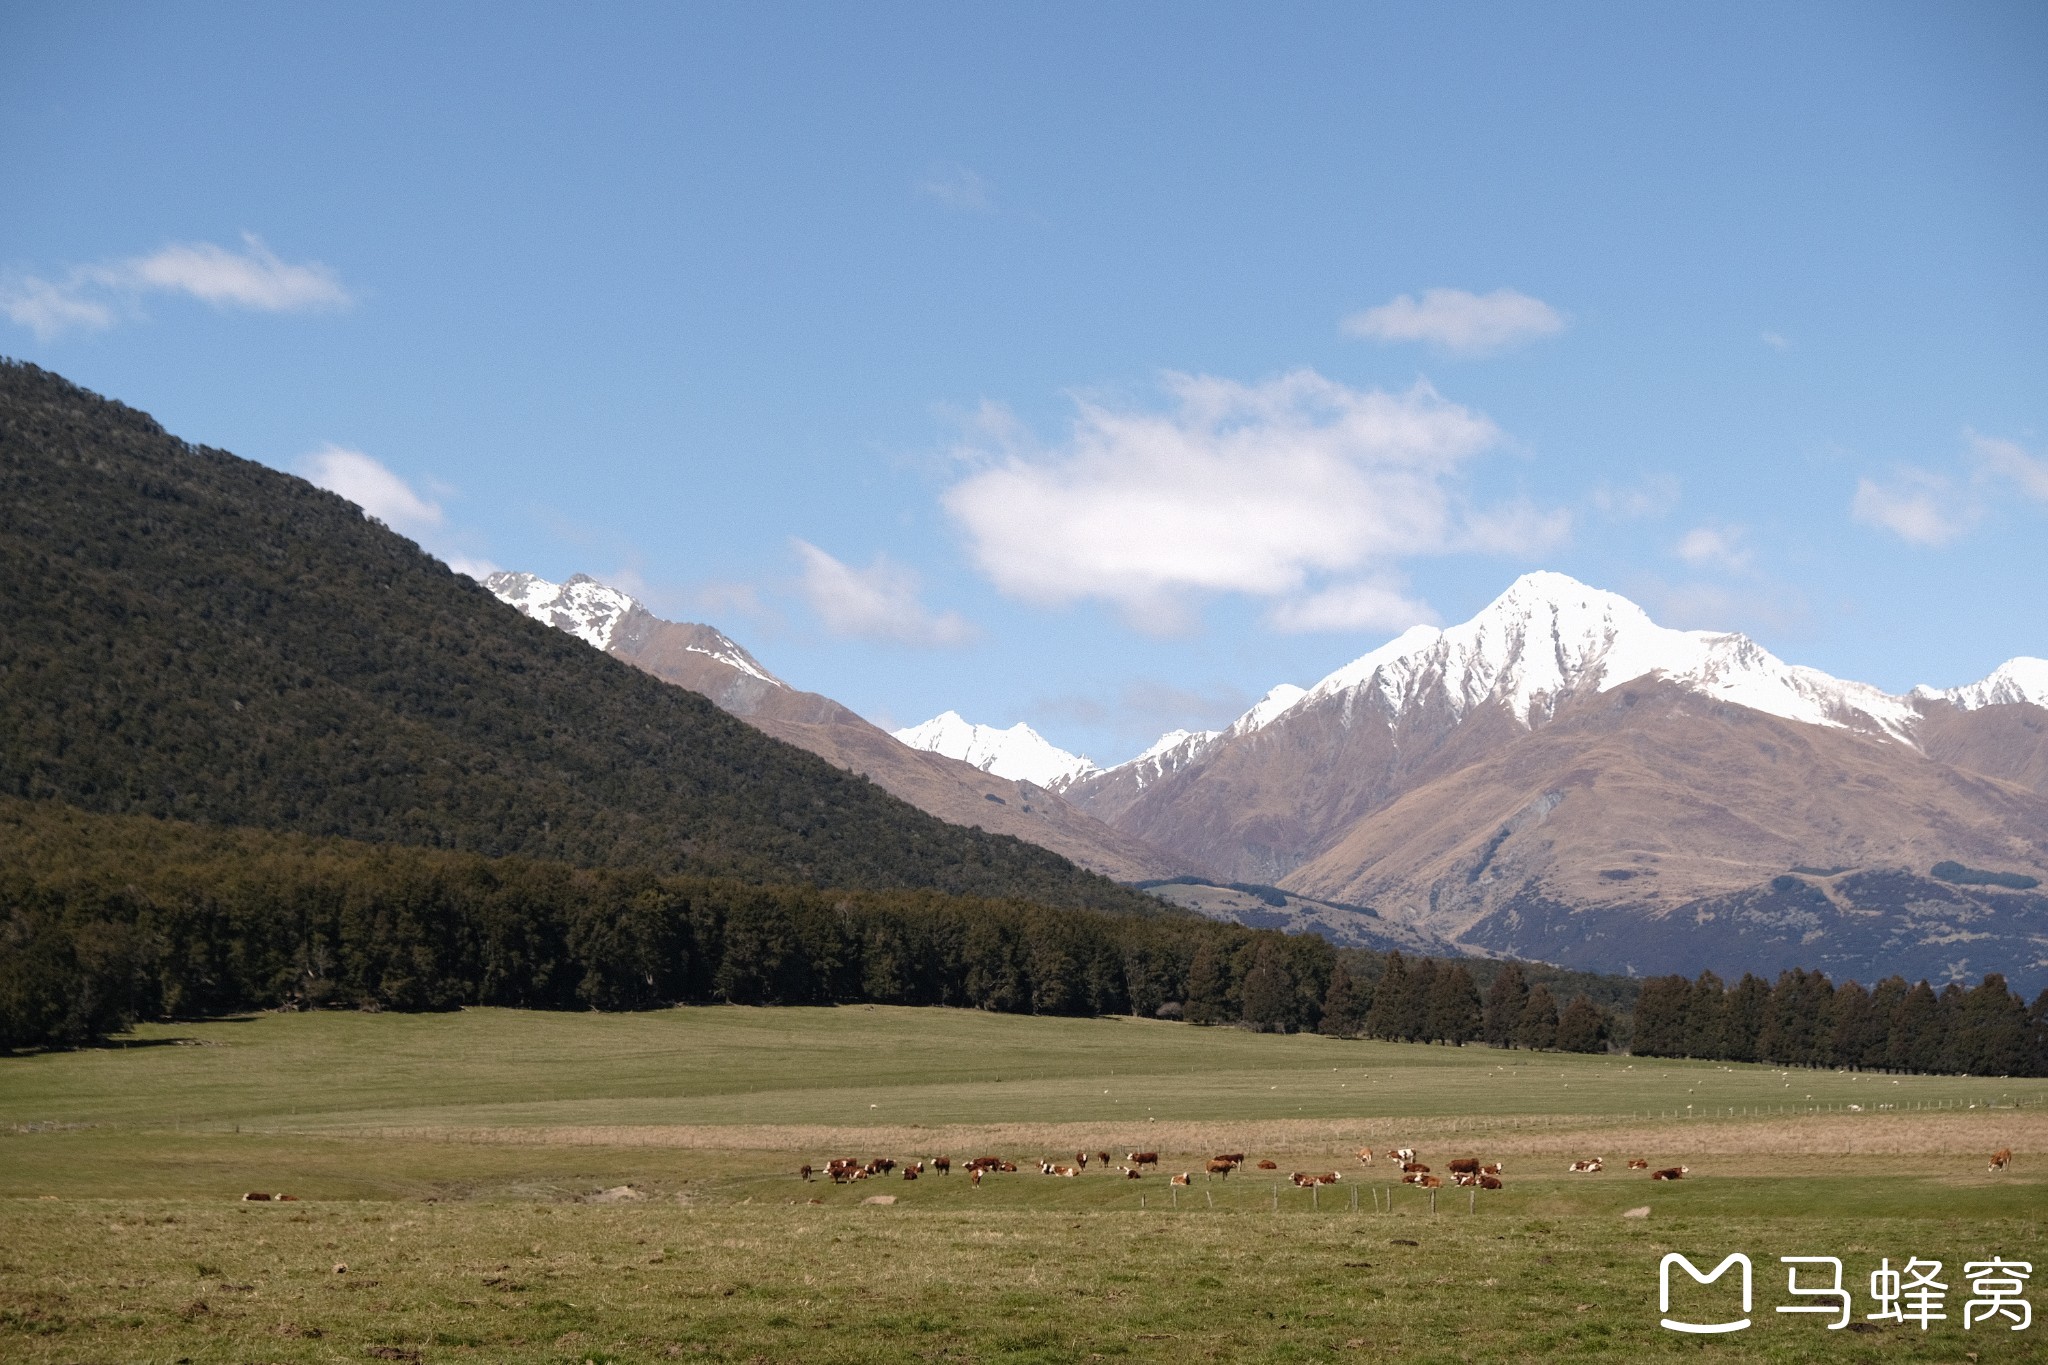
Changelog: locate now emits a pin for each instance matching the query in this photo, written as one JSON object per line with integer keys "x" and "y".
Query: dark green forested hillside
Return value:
{"x": 187, "y": 634}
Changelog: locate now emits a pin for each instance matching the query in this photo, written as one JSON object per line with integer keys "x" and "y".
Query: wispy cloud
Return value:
{"x": 959, "y": 188}
{"x": 1919, "y": 507}
{"x": 1371, "y": 604}
{"x": 1459, "y": 322}
{"x": 1775, "y": 341}
{"x": 95, "y": 297}
{"x": 879, "y": 602}
{"x": 371, "y": 485}
{"x": 1926, "y": 507}
{"x": 1715, "y": 547}
{"x": 1258, "y": 489}
{"x": 1648, "y": 498}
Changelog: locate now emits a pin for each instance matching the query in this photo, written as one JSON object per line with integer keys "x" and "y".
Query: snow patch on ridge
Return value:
{"x": 1019, "y": 753}
{"x": 2023, "y": 679}
{"x": 583, "y": 607}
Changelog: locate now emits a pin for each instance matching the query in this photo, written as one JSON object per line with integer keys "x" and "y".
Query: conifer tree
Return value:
{"x": 1504, "y": 1002}
{"x": 1538, "y": 1029}
{"x": 1583, "y": 1027}
{"x": 1344, "y": 1005}
{"x": 1454, "y": 1010}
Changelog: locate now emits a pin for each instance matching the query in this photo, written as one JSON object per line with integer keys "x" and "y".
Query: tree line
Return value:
{"x": 105, "y": 920}
{"x": 1806, "y": 1020}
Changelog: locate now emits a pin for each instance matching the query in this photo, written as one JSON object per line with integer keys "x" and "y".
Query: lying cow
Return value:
{"x": 1586, "y": 1167}
{"x": 1184, "y": 1179}
{"x": 1489, "y": 1182}
{"x": 1670, "y": 1173}
{"x": 1492, "y": 1168}
{"x": 1265, "y": 1165}
{"x": 1636, "y": 1163}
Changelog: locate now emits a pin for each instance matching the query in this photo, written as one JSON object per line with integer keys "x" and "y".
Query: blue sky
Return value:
{"x": 1099, "y": 366}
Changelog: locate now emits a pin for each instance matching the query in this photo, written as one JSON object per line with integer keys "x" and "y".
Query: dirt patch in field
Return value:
{"x": 1834, "y": 1134}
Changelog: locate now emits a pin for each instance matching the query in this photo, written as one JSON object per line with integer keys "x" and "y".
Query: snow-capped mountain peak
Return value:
{"x": 1266, "y": 709}
{"x": 1549, "y": 636}
{"x": 583, "y": 606}
{"x": 592, "y": 612}
{"x": 1019, "y": 753}
{"x": 2023, "y": 679}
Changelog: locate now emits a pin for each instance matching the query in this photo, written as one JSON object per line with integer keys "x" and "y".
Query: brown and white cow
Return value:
{"x": 1365, "y": 1156}
{"x": 1414, "y": 1168}
{"x": 943, "y": 1165}
{"x": 1587, "y": 1167}
{"x": 1220, "y": 1166}
{"x": 1132, "y": 1172}
{"x": 1670, "y": 1173}
{"x": 1404, "y": 1155}
{"x": 2001, "y": 1159}
{"x": 1143, "y": 1158}
{"x": 1636, "y": 1163}
{"x": 1464, "y": 1165}
{"x": 1103, "y": 1157}
{"x": 1489, "y": 1182}
{"x": 1266, "y": 1165}
{"x": 1491, "y": 1168}
{"x": 910, "y": 1172}
{"x": 1185, "y": 1178}
{"x": 1081, "y": 1160}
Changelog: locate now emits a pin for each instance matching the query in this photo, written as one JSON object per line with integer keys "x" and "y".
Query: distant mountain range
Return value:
{"x": 1562, "y": 778}
{"x": 705, "y": 660}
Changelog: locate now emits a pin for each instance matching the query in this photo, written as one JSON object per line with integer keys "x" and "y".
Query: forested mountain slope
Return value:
{"x": 185, "y": 633}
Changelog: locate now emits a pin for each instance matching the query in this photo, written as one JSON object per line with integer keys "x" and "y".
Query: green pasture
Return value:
{"x": 866, "y": 1066}
{"x": 450, "y": 1164}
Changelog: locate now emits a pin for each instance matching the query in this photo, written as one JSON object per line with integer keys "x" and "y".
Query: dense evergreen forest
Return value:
{"x": 108, "y": 919}
{"x": 192, "y": 635}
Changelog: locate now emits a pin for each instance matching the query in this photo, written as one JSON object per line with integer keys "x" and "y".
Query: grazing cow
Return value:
{"x": 1234, "y": 1158}
{"x": 974, "y": 1175}
{"x": 943, "y": 1165}
{"x": 1670, "y": 1173}
{"x": 1586, "y": 1167}
{"x": 1184, "y": 1179}
{"x": 1636, "y": 1163}
{"x": 804, "y": 1170}
{"x": 988, "y": 1162}
{"x": 1103, "y": 1157}
{"x": 1491, "y": 1168}
{"x": 1132, "y": 1172}
{"x": 1465, "y": 1165}
{"x": 1365, "y": 1156}
{"x": 1404, "y": 1155}
{"x": 1269, "y": 1165}
{"x": 881, "y": 1165}
{"x": 1489, "y": 1182}
{"x": 1081, "y": 1160}
{"x": 2001, "y": 1159}
{"x": 1219, "y": 1166}
{"x": 1143, "y": 1158}
{"x": 1414, "y": 1168}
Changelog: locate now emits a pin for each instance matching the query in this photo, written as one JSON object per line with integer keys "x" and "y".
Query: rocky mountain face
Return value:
{"x": 705, "y": 660}
{"x": 1564, "y": 779}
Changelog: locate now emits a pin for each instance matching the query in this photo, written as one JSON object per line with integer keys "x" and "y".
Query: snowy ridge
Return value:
{"x": 1019, "y": 753}
{"x": 583, "y": 607}
{"x": 1267, "y": 709}
{"x": 2016, "y": 680}
{"x": 1549, "y": 636}
{"x": 591, "y": 612}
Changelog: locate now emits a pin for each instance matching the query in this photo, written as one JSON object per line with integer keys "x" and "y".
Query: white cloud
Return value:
{"x": 1459, "y": 322}
{"x": 958, "y": 188}
{"x": 1776, "y": 341}
{"x": 879, "y": 602}
{"x": 1918, "y": 507}
{"x": 371, "y": 486}
{"x": 47, "y": 309}
{"x": 1714, "y": 547}
{"x": 94, "y": 296}
{"x": 1368, "y": 605}
{"x": 1234, "y": 488}
{"x": 479, "y": 569}
{"x": 2002, "y": 459}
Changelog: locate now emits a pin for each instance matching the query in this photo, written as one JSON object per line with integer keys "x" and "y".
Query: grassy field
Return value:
{"x": 450, "y": 1162}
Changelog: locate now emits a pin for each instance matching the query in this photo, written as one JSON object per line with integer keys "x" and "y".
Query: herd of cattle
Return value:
{"x": 1462, "y": 1171}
